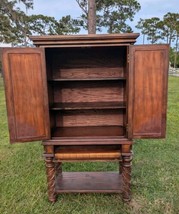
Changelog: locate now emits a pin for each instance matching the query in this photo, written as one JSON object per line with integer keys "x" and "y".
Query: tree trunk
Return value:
{"x": 176, "y": 52}
{"x": 91, "y": 17}
{"x": 143, "y": 39}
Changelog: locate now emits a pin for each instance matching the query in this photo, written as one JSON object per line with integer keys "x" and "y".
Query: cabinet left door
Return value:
{"x": 26, "y": 94}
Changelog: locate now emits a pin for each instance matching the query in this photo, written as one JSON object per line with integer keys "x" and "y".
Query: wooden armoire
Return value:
{"x": 86, "y": 97}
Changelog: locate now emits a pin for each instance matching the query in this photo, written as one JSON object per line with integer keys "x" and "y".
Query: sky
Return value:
{"x": 149, "y": 8}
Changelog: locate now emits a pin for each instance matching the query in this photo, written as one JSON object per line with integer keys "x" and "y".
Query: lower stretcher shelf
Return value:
{"x": 85, "y": 182}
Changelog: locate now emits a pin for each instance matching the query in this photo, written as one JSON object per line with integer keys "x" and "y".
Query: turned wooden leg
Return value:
{"x": 50, "y": 169}
{"x": 120, "y": 166}
{"x": 58, "y": 168}
{"x": 126, "y": 177}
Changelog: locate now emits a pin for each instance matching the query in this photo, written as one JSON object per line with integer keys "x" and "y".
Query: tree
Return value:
{"x": 166, "y": 30}
{"x": 67, "y": 25}
{"x": 16, "y": 26}
{"x": 11, "y": 17}
{"x": 150, "y": 28}
{"x": 169, "y": 26}
{"x": 174, "y": 58}
{"x": 156, "y": 29}
{"x": 47, "y": 25}
{"x": 41, "y": 25}
{"x": 110, "y": 14}
{"x": 91, "y": 17}
{"x": 170, "y": 31}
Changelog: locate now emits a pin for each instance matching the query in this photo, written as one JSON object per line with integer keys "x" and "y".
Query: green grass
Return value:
{"x": 155, "y": 175}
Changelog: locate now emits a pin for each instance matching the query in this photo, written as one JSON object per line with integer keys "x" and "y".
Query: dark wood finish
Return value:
{"x": 58, "y": 169}
{"x": 73, "y": 153}
{"x": 88, "y": 141}
{"x": 88, "y": 105}
{"x": 49, "y": 149}
{"x": 89, "y": 91}
{"x": 92, "y": 131}
{"x": 50, "y": 170}
{"x": 148, "y": 86}
{"x": 85, "y": 40}
{"x": 87, "y": 63}
{"x": 84, "y": 182}
{"x": 125, "y": 170}
{"x": 26, "y": 94}
{"x": 104, "y": 117}
{"x": 88, "y": 79}
{"x": 90, "y": 73}
{"x": 126, "y": 177}
{"x": 100, "y": 91}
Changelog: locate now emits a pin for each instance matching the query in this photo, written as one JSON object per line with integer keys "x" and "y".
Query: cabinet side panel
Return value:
{"x": 149, "y": 91}
{"x": 26, "y": 99}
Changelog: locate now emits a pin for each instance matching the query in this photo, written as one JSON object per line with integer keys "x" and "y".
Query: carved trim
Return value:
{"x": 50, "y": 170}
{"x": 126, "y": 176}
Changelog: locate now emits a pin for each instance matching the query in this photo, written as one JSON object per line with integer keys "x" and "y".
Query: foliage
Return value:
{"x": 16, "y": 26}
{"x": 166, "y": 29}
{"x": 67, "y": 25}
{"x": 11, "y": 17}
{"x": 41, "y": 25}
{"x": 155, "y": 174}
{"x": 150, "y": 27}
{"x": 170, "y": 27}
{"x": 111, "y": 14}
{"x": 46, "y": 25}
{"x": 157, "y": 30}
{"x": 173, "y": 54}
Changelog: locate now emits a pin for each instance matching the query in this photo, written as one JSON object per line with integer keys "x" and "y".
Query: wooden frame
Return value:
{"x": 91, "y": 95}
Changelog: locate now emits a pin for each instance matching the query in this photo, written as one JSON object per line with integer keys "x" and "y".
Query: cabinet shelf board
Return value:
{"x": 87, "y": 79}
{"x": 87, "y": 106}
{"x": 93, "y": 140}
{"x": 84, "y": 182}
{"x": 93, "y": 131}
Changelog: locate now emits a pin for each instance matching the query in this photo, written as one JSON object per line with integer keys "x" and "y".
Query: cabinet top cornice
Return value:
{"x": 85, "y": 40}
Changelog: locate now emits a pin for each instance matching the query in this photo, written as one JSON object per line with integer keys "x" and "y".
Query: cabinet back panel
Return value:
{"x": 88, "y": 131}
{"x": 90, "y": 118}
{"x": 87, "y": 62}
{"x": 82, "y": 73}
{"x": 89, "y": 91}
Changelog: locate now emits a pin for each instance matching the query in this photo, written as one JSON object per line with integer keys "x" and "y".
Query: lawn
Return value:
{"x": 155, "y": 174}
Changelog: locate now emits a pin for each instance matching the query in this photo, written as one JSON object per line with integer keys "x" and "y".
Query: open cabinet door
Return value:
{"x": 147, "y": 101}
{"x": 26, "y": 94}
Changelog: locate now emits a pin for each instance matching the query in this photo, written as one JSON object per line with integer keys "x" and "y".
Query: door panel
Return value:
{"x": 26, "y": 94}
{"x": 148, "y": 74}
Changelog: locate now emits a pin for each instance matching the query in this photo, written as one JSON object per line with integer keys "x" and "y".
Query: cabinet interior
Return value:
{"x": 87, "y": 91}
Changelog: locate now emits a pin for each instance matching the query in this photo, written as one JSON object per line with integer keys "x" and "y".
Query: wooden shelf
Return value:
{"x": 87, "y": 141}
{"x": 87, "y": 106}
{"x": 89, "y": 131}
{"x": 87, "y": 79}
{"x": 84, "y": 182}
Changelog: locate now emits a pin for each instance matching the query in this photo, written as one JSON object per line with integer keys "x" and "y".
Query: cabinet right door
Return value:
{"x": 147, "y": 87}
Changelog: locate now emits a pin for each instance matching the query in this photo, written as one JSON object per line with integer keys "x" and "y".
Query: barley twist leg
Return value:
{"x": 126, "y": 177}
{"x": 50, "y": 170}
